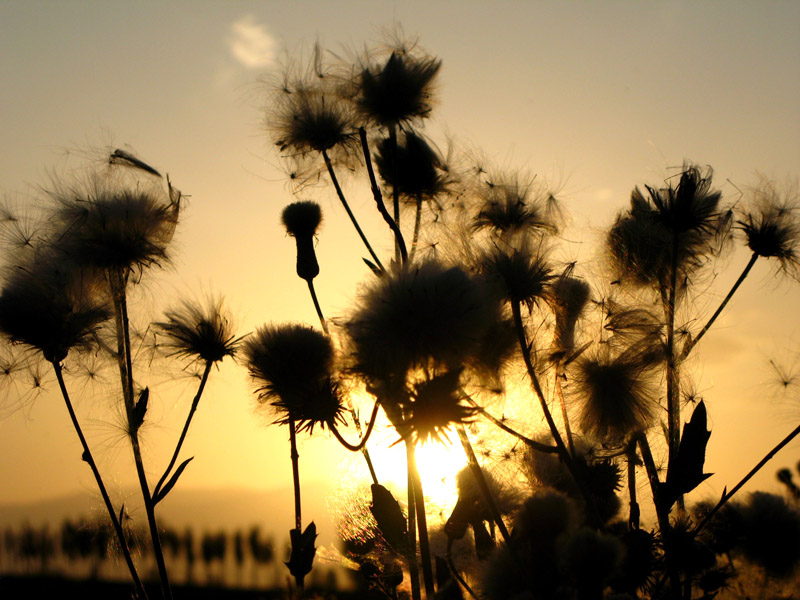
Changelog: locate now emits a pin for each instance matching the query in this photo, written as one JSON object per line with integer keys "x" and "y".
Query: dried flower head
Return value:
{"x": 771, "y": 227}
{"x": 433, "y": 405}
{"x": 292, "y": 366}
{"x": 112, "y": 223}
{"x": 615, "y": 391}
{"x": 418, "y": 171}
{"x": 399, "y": 90}
{"x": 569, "y": 296}
{"x": 301, "y": 220}
{"x": 52, "y": 305}
{"x": 683, "y": 223}
{"x": 421, "y": 316}
{"x": 521, "y": 273}
{"x": 510, "y": 204}
{"x": 200, "y": 331}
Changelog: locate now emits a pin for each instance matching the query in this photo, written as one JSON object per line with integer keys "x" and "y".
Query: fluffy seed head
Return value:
{"x": 521, "y": 273}
{"x": 301, "y": 219}
{"x": 200, "y": 331}
{"x": 418, "y": 172}
{"x": 615, "y": 392}
{"x": 510, "y": 204}
{"x": 771, "y": 227}
{"x": 110, "y": 224}
{"x": 398, "y": 91}
{"x": 52, "y": 305}
{"x": 292, "y": 366}
{"x": 433, "y": 405}
{"x": 421, "y": 316}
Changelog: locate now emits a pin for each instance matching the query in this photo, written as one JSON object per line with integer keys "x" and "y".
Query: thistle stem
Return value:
{"x": 376, "y": 194}
{"x": 317, "y": 307}
{"x": 395, "y": 187}
{"x": 728, "y": 495}
{"x": 564, "y": 414}
{"x": 422, "y": 522}
{"x": 87, "y": 456}
{"x": 563, "y": 453}
{"x": 363, "y": 442}
{"x": 182, "y": 437}
{"x": 633, "y": 517}
{"x": 298, "y": 521}
{"x": 349, "y": 212}
{"x": 413, "y": 565}
{"x": 691, "y": 344}
{"x": 417, "y": 224}
{"x": 673, "y": 384}
{"x": 532, "y": 443}
{"x": 477, "y": 472}
{"x": 118, "y": 282}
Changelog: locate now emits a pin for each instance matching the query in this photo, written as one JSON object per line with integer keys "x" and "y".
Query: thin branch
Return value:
{"x": 363, "y": 442}
{"x": 532, "y": 443}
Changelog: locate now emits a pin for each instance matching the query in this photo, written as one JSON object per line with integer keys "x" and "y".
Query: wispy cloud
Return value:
{"x": 251, "y": 44}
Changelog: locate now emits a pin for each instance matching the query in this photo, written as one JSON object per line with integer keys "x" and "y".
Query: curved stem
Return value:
{"x": 564, "y": 414}
{"x": 87, "y": 456}
{"x": 349, "y": 212}
{"x": 454, "y": 572}
{"x": 182, "y": 437}
{"x": 689, "y": 345}
{"x": 318, "y": 308}
{"x": 422, "y": 521}
{"x": 376, "y": 194}
{"x": 532, "y": 443}
{"x": 363, "y": 442}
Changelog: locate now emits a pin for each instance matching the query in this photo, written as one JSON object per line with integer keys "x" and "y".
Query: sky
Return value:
{"x": 595, "y": 98}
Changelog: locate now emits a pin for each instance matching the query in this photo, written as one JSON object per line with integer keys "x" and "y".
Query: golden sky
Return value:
{"x": 596, "y": 97}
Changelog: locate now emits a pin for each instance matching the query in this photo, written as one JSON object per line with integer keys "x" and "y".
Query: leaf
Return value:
{"x": 160, "y": 493}
{"x": 372, "y": 267}
{"x": 687, "y": 471}
{"x": 390, "y": 519}
{"x": 140, "y": 409}
{"x": 303, "y": 551}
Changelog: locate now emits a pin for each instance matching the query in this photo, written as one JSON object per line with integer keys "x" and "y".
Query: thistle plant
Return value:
{"x": 441, "y": 341}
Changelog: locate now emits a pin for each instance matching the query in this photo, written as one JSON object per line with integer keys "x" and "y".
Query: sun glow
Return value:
{"x": 438, "y": 464}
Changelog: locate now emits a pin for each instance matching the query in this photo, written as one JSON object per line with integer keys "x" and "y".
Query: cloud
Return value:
{"x": 251, "y": 44}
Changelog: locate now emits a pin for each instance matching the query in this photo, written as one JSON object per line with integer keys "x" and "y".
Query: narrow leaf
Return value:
{"x": 159, "y": 494}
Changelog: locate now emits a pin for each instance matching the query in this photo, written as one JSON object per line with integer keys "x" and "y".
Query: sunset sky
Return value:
{"x": 595, "y": 98}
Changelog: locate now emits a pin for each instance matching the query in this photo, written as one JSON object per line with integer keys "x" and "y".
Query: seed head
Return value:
{"x": 521, "y": 273}
{"x": 508, "y": 204}
{"x": 771, "y": 227}
{"x": 292, "y": 366}
{"x": 52, "y": 305}
{"x": 301, "y": 219}
{"x": 200, "y": 331}
{"x": 398, "y": 91}
{"x": 419, "y": 170}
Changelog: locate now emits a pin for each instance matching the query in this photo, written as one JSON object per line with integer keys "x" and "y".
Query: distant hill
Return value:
{"x": 201, "y": 509}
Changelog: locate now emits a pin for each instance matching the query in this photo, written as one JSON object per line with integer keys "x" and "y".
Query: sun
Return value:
{"x": 438, "y": 464}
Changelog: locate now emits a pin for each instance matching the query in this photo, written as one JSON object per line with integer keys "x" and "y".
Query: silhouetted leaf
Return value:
{"x": 390, "y": 519}
{"x": 687, "y": 471}
{"x": 140, "y": 409}
{"x": 160, "y": 493}
{"x": 303, "y": 551}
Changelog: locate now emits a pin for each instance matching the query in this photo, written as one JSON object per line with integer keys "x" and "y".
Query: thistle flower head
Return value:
{"x": 111, "y": 223}
{"x": 521, "y": 273}
{"x": 771, "y": 226}
{"x": 399, "y": 90}
{"x": 424, "y": 315}
{"x": 615, "y": 392}
{"x": 682, "y": 222}
{"x": 433, "y": 405}
{"x": 302, "y": 219}
{"x": 418, "y": 172}
{"x": 200, "y": 331}
{"x": 52, "y": 305}
{"x": 292, "y": 366}
{"x": 569, "y": 296}
{"x": 510, "y": 204}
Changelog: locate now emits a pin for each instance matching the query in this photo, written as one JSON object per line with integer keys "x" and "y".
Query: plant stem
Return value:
{"x": 691, "y": 344}
{"x": 362, "y": 443}
{"x": 728, "y": 495}
{"x": 349, "y": 212}
{"x": 395, "y": 187}
{"x": 182, "y": 437}
{"x": 477, "y": 472}
{"x": 673, "y": 380}
{"x": 562, "y": 401}
{"x": 87, "y": 456}
{"x": 413, "y": 566}
{"x": 298, "y": 520}
{"x": 318, "y": 308}
{"x": 633, "y": 517}
{"x": 422, "y": 522}
{"x": 376, "y": 194}
{"x": 417, "y": 223}
{"x": 532, "y": 443}
{"x": 119, "y": 282}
